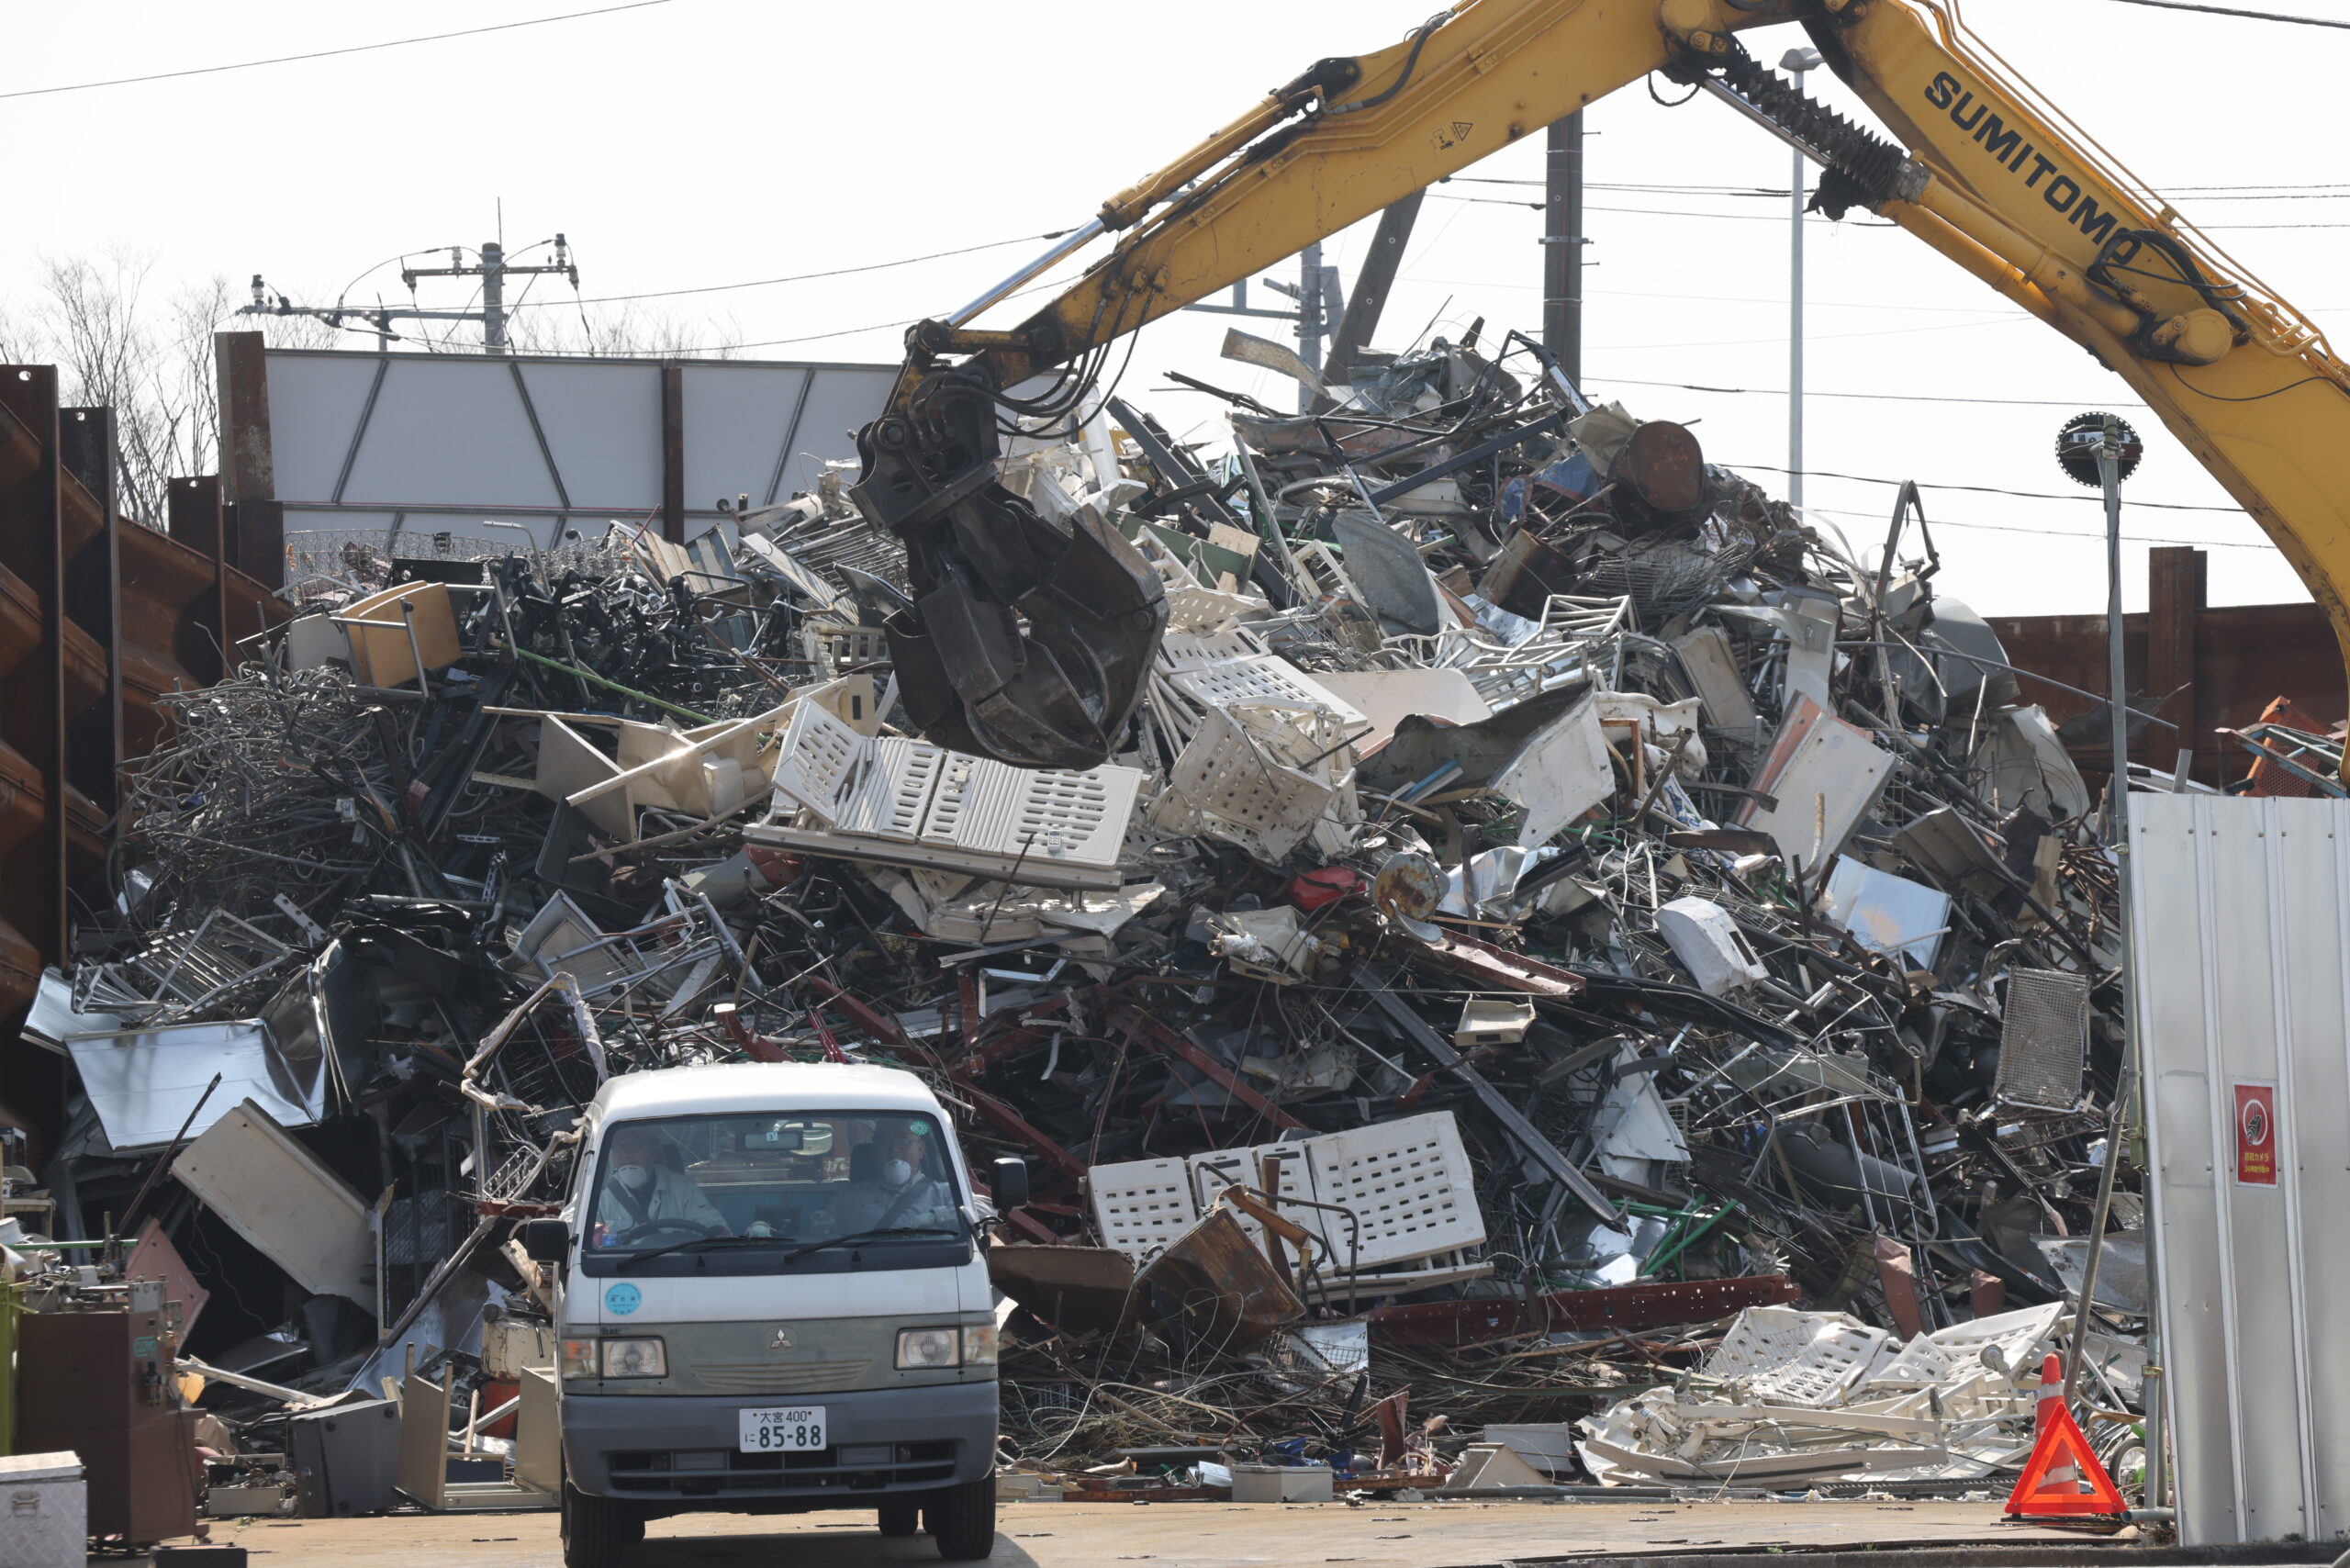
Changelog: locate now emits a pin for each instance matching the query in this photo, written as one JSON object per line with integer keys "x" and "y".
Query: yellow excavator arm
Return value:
{"x": 1983, "y": 171}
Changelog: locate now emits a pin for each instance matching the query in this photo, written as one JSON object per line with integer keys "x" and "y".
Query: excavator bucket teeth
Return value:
{"x": 1023, "y": 644}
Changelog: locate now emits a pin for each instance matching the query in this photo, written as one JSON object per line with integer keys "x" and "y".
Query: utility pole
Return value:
{"x": 1309, "y": 306}
{"x": 1796, "y": 61}
{"x": 1562, "y": 243}
{"x": 1320, "y": 303}
{"x": 493, "y": 270}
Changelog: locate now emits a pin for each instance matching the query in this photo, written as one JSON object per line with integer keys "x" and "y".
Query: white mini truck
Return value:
{"x": 771, "y": 1299}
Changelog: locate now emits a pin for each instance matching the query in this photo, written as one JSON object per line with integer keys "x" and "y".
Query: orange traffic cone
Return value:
{"x": 2061, "y": 1478}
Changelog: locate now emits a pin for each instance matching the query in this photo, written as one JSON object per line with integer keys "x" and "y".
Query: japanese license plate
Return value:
{"x": 789, "y": 1429}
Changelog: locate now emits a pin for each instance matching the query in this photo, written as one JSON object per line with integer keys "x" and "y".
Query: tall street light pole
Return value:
{"x": 1797, "y": 62}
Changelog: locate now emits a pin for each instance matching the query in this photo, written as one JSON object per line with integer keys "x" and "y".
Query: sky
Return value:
{"x": 694, "y": 144}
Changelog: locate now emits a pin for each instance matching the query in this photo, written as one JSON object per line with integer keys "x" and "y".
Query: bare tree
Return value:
{"x": 116, "y": 344}
{"x": 633, "y": 331}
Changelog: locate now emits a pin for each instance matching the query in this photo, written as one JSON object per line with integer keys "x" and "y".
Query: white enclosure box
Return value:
{"x": 1281, "y": 1483}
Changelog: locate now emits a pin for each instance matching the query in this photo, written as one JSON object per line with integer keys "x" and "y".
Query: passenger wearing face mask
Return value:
{"x": 638, "y": 1190}
{"x": 896, "y": 1193}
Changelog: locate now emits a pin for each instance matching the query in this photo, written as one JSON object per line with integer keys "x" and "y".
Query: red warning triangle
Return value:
{"x": 2061, "y": 1447}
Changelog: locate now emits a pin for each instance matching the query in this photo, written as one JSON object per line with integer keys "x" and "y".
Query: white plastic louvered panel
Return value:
{"x": 896, "y": 793}
{"x": 1293, "y": 1178}
{"x": 1141, "y": 1205}
{"x": 1037, "y": 813}
{"x": 1408, "y": 1182}
{"x": 1262, "y": 677}
{"x": 818, "y": 766}
{"x": 1190, "y": 650}
{"x": 1785, "y": 1357}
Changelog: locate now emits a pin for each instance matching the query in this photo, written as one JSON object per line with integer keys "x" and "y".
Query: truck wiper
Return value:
{"x": 697, "y": 1244}
{"x": 805, "y": 1247}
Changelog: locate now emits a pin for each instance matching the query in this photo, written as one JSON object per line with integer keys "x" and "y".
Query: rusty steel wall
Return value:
{"x": 99, "y": 619}
{"x": 2200, "y": 668}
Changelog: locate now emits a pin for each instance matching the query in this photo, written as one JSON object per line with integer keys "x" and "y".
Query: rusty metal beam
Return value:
{"x": 1625, "y": 1308}
{"x": 1541, "y": 1149}
{"x": 995, "y": 1111}
{"x": 673, "y": 454}
{"x": 248, "y": 472}
{"x": 2175, "y": 585}
{"x": 1143, "y": 1026}
{"x": 33, "y": 718}
{"x": 86, "y": 447}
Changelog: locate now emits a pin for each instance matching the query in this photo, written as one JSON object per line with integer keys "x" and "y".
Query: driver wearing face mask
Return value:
{"x": 640, "y": 1193}
{"x": 898, "y": 1193}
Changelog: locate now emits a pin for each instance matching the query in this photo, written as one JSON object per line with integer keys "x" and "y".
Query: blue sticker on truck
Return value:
{"x": 622, "y": 1299}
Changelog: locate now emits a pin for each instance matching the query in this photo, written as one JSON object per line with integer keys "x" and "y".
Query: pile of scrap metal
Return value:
{"x": 1551, "y": 898}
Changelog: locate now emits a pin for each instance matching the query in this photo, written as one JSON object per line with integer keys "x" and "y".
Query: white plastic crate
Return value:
{"x": 1788, "y": 1357}
{"x": 1408, "y": 1182}
{"x": 1225, "y": 777}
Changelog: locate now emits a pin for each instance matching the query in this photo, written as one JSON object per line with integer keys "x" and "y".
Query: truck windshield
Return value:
{"x": 790, "y": 1177}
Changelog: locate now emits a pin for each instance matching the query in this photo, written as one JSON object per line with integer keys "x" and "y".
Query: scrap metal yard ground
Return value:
{"x": 1193, "y": 1535}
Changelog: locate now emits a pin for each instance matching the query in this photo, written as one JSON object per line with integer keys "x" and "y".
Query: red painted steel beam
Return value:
{"x": 1143, "y": 1026}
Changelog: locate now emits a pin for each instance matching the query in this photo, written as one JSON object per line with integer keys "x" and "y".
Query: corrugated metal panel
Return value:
{"x": 2241, "y": 909}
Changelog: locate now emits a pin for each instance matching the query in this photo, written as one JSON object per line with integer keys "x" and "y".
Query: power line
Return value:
{"x": 2315, "y": 190}
{"x": 1873, "y": 396}
{"x": 329, "y": 53}
{"x": 2098, "y": 538}
{"x": 843, "y": 332}
{"x": 1839, "y": 223}
{"x": 2232, "y": 11}
{"x": 1665, "y": 212}
{"x": 804, "y": 277}
{"x": 1982, "y": 490}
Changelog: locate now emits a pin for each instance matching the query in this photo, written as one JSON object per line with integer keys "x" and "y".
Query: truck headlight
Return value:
{"x": 636, "y": 1357}
{"x": 979, "y": 1344}
{"x": 925, "y": 1347}
{"x": 579, "y": 1358}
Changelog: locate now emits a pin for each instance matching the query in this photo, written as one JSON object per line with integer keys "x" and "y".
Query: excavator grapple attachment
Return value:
{"x": 1054, "y": 692}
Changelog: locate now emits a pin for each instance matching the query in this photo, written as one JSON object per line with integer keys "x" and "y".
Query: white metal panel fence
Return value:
{"x": 2242, "y": 915}
{"x": 366, "y": 447}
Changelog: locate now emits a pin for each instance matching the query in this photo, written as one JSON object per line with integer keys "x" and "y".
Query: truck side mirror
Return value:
{"x": 1008, "y": 1179}
{"x": 544, "y": 1240}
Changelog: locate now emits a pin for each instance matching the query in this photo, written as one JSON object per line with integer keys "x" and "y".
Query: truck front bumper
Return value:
{"x": 681, "y": 1452}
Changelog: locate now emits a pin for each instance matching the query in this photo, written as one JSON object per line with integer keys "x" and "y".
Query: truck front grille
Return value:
{"x": 779, "y": 1377}
{"x": 707, "y": 1473}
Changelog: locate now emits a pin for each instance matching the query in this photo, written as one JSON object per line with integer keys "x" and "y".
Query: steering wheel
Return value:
{"x": 689, "y": 1227}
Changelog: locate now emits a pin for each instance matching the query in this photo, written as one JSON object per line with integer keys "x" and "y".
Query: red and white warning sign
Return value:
{"x": 2256, "y": 1134}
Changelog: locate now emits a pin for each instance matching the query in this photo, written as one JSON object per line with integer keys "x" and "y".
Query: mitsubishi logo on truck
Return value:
{"x": 780, "y": 1340}
{"x": 2007, "y": 143}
